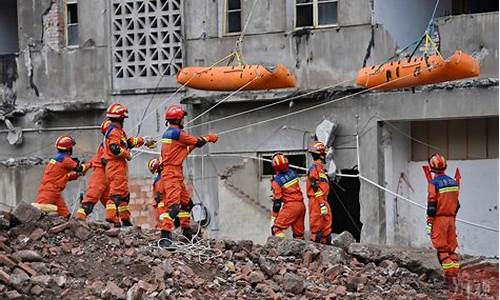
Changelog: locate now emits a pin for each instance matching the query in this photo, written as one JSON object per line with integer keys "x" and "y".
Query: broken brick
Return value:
{"x": 8, "y": 262}
{"x": 59, "y": 228}
{"x": 4, "y": 277}
{"x": 5, "y": 248}
{"x": 25, "y": 267}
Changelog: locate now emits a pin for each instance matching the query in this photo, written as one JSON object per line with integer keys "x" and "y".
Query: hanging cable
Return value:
{"x": 257, "y": 76}
{"x": 317, "y": 105}
{"x": 270, "y": 104}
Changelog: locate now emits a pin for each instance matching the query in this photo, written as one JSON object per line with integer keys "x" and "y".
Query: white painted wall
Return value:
{"x": 479, "y": 204}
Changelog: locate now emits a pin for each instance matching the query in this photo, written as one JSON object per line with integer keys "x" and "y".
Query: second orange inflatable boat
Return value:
{"x": 232, "y": 78}
{"x": 418, "y": 71}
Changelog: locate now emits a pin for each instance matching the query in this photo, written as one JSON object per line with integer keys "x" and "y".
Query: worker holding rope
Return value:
{"x": 61, "y": 169}
{"x": 116, "y": 155}
{"x": 318, "y": 187}
{"x": 98, "y": 187}
{"x": 442, "y": 208}
{"x": 176, "y": 146}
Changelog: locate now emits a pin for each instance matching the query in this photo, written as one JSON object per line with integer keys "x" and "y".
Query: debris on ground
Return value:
{"x": 51, "y": 258}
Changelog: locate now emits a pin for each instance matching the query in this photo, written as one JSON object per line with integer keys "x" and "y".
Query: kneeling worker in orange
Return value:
{"x": 61, "y": 169}
{"x": 116, "y": 155}
{"x": 98, "y": 187}
{"x": 442, "y": 208}
{"x": 318, "y": 187}
{"x": 288, "y": 202}
{"x": 154, "y": 166}
{"x": 176, "y": 146}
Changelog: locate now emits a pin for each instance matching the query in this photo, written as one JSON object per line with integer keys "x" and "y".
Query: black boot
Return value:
{"x": 190, "y": 235}
{"x": 166, "y": 241}
{"x": 126, "y": 223}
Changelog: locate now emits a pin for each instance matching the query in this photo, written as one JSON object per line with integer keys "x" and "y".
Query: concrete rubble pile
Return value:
{"x": 48, "y": 257}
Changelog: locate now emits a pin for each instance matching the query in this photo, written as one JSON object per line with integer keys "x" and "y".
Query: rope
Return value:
{"x": 339, "y": 175}
{"x": 171, "y": 97}
{"x": 257, "y": 76}
{"x": 315, "y": 106}
{"x": 196, "y": 247}
{"x": 269, "y": 105}
{"x": 239, "y": 42}
{"x": 422, "y": 206}
{"x": 153, "y": 95}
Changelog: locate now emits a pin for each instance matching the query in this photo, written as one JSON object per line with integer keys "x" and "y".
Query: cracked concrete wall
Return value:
{"x": 51, "y": 72}
{"x": 371, "y": 108}
{"x": 317, "y": 57}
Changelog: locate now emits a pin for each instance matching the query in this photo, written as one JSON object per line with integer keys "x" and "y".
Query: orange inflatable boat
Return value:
{"x": 418, "y": 71}
{"x": 232, "y": 78}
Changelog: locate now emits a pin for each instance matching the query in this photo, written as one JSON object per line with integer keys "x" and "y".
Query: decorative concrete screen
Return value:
{"x": 146, "y": 43}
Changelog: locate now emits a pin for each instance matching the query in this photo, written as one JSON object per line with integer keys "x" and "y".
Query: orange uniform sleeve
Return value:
{"x": 276, "y": 188}
{"x": 116, "y": 139}
{"x": 69, "y": 164}
{"x": 187, "y": 139}
{"x": 313, "y": 174}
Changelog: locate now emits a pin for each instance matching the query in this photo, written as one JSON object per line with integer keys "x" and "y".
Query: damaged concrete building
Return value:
{"x": 62, "y": 63}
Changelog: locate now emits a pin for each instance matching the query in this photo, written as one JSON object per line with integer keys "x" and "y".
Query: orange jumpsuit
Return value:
{"x": 286, "y": 188}
{"x": 442, "y": 210}
{"x": 176, "y": 146}
{"x": 320, "y": 225}
{"x": 98, "y": 187}
{"x": 115, "y": 153}
{"x": 57, "y": 173}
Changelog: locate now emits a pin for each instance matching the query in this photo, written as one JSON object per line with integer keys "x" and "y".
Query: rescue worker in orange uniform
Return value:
{"x": 442, "y": 208}
{"x": 176, "y": 146}
{"x": 116, "y": 154}
{"x": 98, "y": 187}
{"x": 154, "y": 166}
{"x": 318, "y": 187}
{"x": 288, "y": 202}
{"x": 61, "y": 169}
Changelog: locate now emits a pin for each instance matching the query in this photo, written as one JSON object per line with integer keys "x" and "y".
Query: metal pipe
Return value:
{"x": 55, "y": 129}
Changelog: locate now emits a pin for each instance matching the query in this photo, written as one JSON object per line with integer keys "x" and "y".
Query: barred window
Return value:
{"x": 147, "y": 42}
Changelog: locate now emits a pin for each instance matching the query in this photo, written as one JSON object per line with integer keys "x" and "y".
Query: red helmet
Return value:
{"x": 175, "y": 112}
{"x": 318, "y": 148}
{"x": 437, "y": 162}
{"x": 117, "y": 111}
{"x": 104, "y": 126}
{"x": 154, "y": 165}
{"x": 280, "y": 162}
{"x": 65, "y": 142}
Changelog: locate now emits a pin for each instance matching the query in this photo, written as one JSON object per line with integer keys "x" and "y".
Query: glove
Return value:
{"x": 85, "y": 168}
{"x": 76, "y": 160}
{"x": 73, "y": 176}
{"x": 428, "y": 228}
{"x": 276, "y": 206}
{"x": 323, "y": 209}
{"x": 149, "y": 142}
{"x": 129, "y": 156}
{"x": 133, "y": 142}
{"x": 211, "y": 138}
